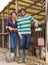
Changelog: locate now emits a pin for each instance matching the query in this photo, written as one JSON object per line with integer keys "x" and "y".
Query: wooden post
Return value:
{"x": 17, "y": 47}
{"x": 46, "y": 31}
{"x": 16, "y": 7}
{"x": 2, "y": 30}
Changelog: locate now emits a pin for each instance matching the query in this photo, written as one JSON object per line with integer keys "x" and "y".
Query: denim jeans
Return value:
{"x": 13, "y": 41}
{"x": 25, "y": 42}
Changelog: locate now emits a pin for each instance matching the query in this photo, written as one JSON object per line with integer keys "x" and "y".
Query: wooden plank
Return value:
{"x": 4, "y": 33}
{"x": 2, "y": 30}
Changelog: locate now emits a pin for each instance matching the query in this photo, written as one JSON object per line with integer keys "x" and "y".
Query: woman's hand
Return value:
{"x": 14, "y": 28}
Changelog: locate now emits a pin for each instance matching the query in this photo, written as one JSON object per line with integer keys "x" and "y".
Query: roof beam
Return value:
{"x": 38, "y": 13}
{"x": 30, "y": 7}
{"x": 32, "y": 3}
{"x": 35, "y": 14}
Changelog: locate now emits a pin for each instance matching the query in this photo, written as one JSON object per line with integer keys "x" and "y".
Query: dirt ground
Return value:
{"x": 13, "y": 63}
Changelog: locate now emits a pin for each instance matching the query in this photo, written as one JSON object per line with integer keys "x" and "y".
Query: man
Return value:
{"x": 24, "y": 30}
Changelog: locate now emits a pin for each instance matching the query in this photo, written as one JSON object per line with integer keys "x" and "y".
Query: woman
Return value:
{"x": 11, "y": 25}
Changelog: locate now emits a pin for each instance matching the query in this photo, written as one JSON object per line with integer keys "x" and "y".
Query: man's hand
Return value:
{"x": 36, "y": 24}
{"x": 21, "y": 37}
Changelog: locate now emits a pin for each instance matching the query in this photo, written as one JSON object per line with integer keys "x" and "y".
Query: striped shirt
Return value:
{"x": 24, "y": 24}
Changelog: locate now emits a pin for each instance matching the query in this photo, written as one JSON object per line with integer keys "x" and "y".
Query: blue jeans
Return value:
{"x": 25, "y": 42}
{"x": 13, "y": 41}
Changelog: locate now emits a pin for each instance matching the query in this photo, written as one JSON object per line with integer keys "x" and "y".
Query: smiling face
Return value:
{"x": 23, "y": 12}
{"x": 14, "y": 15}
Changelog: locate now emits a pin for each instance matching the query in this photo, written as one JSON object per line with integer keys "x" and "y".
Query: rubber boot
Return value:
{"x": 25, "y": 55}
{"x": 21, "y": 56}
{"x": 16, "y": 59}
{"x": 14, "y": 55}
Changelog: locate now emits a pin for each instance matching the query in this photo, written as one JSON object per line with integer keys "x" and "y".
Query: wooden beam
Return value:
{"x": 25, "y": 1}
{"x": 39, "y": 12}
{"x": 11, "y": 8}
{"x": 4, "y": 34}
{"x": 30, "y": 7}
{"x": 2, "y": 30}
{"x": 33, "y": 3}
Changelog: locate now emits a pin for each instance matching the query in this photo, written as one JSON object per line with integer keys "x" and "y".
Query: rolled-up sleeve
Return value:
{"x": 34, "y": 20}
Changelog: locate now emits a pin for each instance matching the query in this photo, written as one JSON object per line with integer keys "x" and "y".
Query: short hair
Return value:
{"x": 22, "y": 9}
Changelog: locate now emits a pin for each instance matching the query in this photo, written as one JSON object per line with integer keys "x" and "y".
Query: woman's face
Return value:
{"x": 14, "y": 15}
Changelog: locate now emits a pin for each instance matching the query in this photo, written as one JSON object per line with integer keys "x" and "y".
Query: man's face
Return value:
{"x": 14, "y": 15}
{"x": 23, "y": 13}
